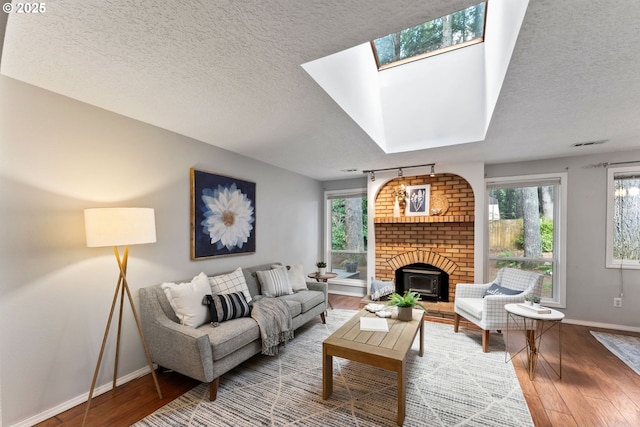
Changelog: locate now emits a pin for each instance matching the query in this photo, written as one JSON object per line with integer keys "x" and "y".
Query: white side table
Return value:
{"x": 535, "y": 325}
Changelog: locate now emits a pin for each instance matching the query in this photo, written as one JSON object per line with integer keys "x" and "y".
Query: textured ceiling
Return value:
{"x": 229, "y": 73}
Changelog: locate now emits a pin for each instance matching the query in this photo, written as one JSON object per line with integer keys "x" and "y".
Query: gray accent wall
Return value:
{"x": 590, "y": 286}
{"x": 59, "y": 156}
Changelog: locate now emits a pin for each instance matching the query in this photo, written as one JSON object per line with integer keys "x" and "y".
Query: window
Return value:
{"x": 453, "y": 31}
{"x": 346, "y": 235}
{"x": 526, "y": 229}
{"x": 623, "y": 217}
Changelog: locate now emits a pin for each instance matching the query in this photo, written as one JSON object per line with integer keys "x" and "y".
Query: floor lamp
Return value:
{"x": 119, "y": 227}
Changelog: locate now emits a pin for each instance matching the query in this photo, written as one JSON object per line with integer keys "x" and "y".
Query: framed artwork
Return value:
{"x": 223, "y": 215}
{"x": 417, "y": 202}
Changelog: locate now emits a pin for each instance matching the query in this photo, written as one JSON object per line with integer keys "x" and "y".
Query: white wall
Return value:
{"x": 59, "y": 156}
{"x": 590, "y": 286}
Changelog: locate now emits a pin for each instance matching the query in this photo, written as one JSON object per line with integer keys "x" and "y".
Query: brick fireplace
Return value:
{"x": 444, "y": 241}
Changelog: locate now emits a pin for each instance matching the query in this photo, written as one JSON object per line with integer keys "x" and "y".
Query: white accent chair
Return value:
{"x": 488, "y": 311}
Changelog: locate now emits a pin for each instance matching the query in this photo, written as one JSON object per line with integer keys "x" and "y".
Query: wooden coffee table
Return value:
{"x": 386, "y": 350}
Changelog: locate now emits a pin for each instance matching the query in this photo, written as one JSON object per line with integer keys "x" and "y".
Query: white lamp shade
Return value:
{"x": 119, "y": 226}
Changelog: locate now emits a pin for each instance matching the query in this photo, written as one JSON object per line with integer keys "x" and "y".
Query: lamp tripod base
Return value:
{"x": 122, "y": 288}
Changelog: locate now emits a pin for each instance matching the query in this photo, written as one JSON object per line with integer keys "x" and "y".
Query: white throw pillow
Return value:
{"x": 275, "y": 282}
{"x": 297, "y": 278}
{"x": 186, "y": 300}
{"x": 230, "y": 283}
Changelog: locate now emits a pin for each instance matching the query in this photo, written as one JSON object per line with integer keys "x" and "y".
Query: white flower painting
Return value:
{"x": 223, "y": 215}
{"x": 228, "y": 217}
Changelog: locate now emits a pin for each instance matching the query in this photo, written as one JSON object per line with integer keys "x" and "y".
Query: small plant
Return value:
{"x": 536, "y": 299}
{"x": 409, "y": 299}
{"x": 529, "y": 298}
{"x": 321, "y": 264}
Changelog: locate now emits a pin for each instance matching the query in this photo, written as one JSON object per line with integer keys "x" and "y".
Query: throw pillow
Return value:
{"x": 274, "y": 283}
{"x": 186, "y": 300}
{"x": 297, "y": 278}
{"x": 226, "y": 307}
{"x": 229, "y": 283}
{"x": 496, "y": 289}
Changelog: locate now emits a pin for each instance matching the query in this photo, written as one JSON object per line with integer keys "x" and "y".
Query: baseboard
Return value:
{"x": 354, "y": 293}
{"x": 602, "y": 325}
{"x": 50, "y": 413}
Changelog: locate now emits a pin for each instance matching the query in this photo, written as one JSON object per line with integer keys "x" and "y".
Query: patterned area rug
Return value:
{"x": 626, "y": 347}
{"x": 453, "y": 384}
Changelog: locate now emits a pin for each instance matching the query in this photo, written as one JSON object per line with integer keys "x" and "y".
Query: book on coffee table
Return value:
{"x": 534, "y": 309}
{"x": 374, "y": 324}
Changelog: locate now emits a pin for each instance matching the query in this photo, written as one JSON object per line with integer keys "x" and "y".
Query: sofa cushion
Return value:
{"x": 186, "y": 300}
{"x": 229, "y": 283}
{"x": 295, "y": 308}
{"x": 473, "y": 306}
{"x": 227, "y": 306}
{"x": 307, "y": 299}
{"x": 274, "y": 282}
{"x": 230, "y": 336}
{"x": 496, "y": 289}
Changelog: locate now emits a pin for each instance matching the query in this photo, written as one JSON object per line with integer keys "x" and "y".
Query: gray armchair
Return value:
{"x": 488, "y": 311}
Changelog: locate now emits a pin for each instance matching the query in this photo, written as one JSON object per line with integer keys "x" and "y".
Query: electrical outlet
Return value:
{"x": 617, "y": 302}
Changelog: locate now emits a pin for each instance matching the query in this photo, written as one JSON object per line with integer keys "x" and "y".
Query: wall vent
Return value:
{"x": 586, "y": 144}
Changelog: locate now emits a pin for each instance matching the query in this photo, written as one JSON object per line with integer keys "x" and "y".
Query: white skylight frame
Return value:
{"x": 394, "y": 107}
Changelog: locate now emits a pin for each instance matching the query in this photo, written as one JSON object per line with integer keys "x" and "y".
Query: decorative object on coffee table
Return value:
{"x": 406, "y": 303}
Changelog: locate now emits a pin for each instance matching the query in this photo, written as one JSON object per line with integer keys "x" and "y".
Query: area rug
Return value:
{"x": 453, "y": 384}
{"x": 626, "y": 347}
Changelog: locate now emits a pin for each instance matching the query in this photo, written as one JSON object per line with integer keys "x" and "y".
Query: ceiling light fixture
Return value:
{"x": 400, "y": 170}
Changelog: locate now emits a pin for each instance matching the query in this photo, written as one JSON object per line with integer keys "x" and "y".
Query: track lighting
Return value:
{"x": 400, "y": 170}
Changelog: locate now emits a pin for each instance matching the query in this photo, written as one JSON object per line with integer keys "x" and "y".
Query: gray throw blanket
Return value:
{"x": 274, "y": 319}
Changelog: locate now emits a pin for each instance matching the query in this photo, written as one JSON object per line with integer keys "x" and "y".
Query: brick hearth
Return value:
{"x": 445, "y": 241}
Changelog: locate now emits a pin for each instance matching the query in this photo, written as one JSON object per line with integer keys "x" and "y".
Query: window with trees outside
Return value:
{"x": 623, "y": 217}
{"x": 526, "y": 217}
{"x": 459, "y": 29}
{"x": 346, "y": 235}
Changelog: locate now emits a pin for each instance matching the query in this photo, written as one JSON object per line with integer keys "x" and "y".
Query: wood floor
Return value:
{"x": 596, "y": 388}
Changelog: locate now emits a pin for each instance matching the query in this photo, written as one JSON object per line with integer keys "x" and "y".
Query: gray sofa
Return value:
{"x": 205, "y": 353}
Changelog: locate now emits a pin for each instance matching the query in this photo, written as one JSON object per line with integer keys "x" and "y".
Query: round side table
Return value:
{"x": 535, "y": 325}
{"x": 322, "y": 277}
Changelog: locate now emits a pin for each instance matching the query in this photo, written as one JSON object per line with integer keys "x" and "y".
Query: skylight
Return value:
{"x": 444, "y": 101}
{"x": 453, "y": 31}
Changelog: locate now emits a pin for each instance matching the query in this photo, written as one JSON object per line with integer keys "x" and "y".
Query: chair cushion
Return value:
{"x": 230, "y": 336}
{"x": 307, "y": 299}
{"x": 496, "y": 289}
{"x": 473, "y": 306}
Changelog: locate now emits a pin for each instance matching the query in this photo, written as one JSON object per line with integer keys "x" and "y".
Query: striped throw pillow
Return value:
{"x": 274, "y": 283}
{"x": 227, "y": 306}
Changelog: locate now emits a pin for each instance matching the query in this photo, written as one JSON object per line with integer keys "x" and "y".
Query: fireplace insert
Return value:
{"x": 430, "y": 282}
